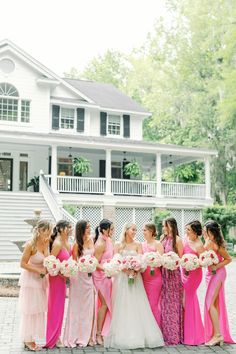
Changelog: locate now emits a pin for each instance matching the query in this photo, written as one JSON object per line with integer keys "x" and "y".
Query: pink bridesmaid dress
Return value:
{"x": 33, "y": 302}
{"x": 56, "y": 304}
{"x": 193, "y": 326}
{"x": 81, "y": 315}
{"x": 104, "y": 284}
{"x": 153, "y": 285}
{"x": 212, "y": 281}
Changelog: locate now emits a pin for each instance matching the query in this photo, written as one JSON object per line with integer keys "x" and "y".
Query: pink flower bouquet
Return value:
{"x": 133, "y": 265}
{"x": 208, "y": 258}
{"x": 69, "y": 268}
{"x": 87, "y": 264}
{"x": 152, "y": 260}
{"x": 170, "y": 260}
{"x": 189, "y": 262}
{"x": 52, "y": 264}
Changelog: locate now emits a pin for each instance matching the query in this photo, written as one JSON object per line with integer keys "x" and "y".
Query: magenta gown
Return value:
{"x": 56, "y": 304}
{"x": 81, "y": 318}
{"x": 153, "y": 285}
{"x": 193, "y": 326}
{"x": 104, "y": 285}
{"x": 212, "y": 281}
{"x": 171, "y": 301}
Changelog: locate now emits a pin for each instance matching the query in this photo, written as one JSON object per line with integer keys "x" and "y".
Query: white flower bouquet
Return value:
{"x": 113, "y": 266}
{"x": 152, "y": 260}
{"x": 52, "y": 264}
{"x": 69, "y": 268}
{"x": 170, "y": 260}
{"x": 208, "y": 258}
{"x": 87, "y": 264}
{"x": 189, "y": 262}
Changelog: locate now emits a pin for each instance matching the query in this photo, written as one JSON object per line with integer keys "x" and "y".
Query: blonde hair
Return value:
{"x": 126, "y": 227}
{"x": 42, "y": 225}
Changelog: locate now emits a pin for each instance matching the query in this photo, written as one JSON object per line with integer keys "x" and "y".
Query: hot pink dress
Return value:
{"x": 153, "y": 285}
{"x": 193, "y": 326}
{"x": 103, "y": 284}
{"x": 212, "y": 281}
{"x": 171, "y": 301}
{"x": 56, "y": 304}
{"x": 81, "y": 315}
{"x": 33, "y": 302}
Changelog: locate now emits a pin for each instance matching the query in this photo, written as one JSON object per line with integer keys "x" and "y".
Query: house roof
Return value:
{"x": 107, "y": 96}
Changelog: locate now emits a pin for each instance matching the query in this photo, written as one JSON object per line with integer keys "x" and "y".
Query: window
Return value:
{"x": 113, "y": 125}
{"x": 115, "y": 169}
{"x": 67, "y": 118}
{"x": 25, "y": 111}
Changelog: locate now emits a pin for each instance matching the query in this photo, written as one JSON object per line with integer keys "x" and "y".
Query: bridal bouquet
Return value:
{"x": 152, "y": 260}
{"x": 113, "y": 266}
{"x": 69, "y": 268}
{"x": 189, "y": 262}
{"x": 170, "y": 260}
{"x": 87, "y": 264}
{"x": 52, "y": 264}
{"x": 208, "y": 258}
{"x": 132, "y": 264}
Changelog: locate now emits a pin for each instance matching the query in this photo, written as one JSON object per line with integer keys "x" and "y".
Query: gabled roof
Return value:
{"x": 107, "y": 96}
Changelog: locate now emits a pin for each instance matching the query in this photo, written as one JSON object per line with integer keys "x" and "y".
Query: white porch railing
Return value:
{"x": 86, "y": 185}
{"x": 183, "y": 190}
{"x": 127, "y": 187}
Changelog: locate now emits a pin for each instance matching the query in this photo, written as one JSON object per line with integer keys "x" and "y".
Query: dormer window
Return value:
{"x": 67, "y": 118}
{"x": 113, "y": 124}
{"x": 11, "y": 105}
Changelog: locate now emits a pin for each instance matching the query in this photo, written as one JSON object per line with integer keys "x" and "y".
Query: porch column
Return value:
{"x": 207, "y": 178}
{"x": 108, "y": 172}
{"x": 158, "y": 175}
{"x": 54, "y": 168}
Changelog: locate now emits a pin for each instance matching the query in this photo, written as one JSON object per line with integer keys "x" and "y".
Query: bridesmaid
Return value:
{"x": 60, "y": 248}
{"x": 172, "y": 288}
{"x": 103, "y": 252}
{"x": 193, "y": 326}
{"x": 32, "y": 297}
{"x": 215, "y": 312}
{"x": 152, "y": 283}
{"x": 80, "y": 326}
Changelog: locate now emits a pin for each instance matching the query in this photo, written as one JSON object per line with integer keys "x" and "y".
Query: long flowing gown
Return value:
{"x": 171, "y": 301}
{"x": 153, "y": 285}
{"x": 56, "y": 304}
{"x": 103, "y": 284}
{"x": 133, "y": 324}
{"x": 81, "y": 314}
{"x": 33, "y": 302}
{"x": 212, "y": 282}
{"x": 193, "y": 326}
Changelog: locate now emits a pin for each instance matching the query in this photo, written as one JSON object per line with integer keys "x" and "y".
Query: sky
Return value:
{"x": 62, "y": 34}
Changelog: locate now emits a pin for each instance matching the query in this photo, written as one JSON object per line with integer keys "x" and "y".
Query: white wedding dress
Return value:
{"x": 133, "y": 324}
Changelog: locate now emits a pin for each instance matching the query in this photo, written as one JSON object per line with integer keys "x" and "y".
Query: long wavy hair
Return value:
{"x": 126, "y": 227}
{"x": 196, "y": 227}
{"x": 172, "y": 224}
{"x": 104, "y": 224}
{"x": 41, "y": 225}
{"x": 80, "y": 229}
{"x": 151, "y": 227}
{"x": 215, "y": 230}
{"x": 60, "y": 225}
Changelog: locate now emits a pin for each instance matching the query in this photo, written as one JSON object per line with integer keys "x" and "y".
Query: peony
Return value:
{"x": 52, "y": 264}
{"x": 189, "y": 262}
{"x": 170, "y": 260}
{"x": 208, "y": 258}
{"x": 152, "y": 260}
{"x": 87, "y": 264}
{"x": 69, "y": 268}
{"x": 132, "y": 264}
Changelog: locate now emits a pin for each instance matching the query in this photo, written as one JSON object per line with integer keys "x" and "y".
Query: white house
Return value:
{"x": 46, "y": 121}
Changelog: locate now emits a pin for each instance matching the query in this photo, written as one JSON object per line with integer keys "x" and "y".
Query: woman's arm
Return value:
{"x": 25, "y": 259}
{"x": 75, "y": 251}
{"x": 227, "y": 258}
{"x": 100, "y": 247}
{"x": 139, "y": 248}
{"x": 180, "y": 247}
{"x": 159, "y": 247}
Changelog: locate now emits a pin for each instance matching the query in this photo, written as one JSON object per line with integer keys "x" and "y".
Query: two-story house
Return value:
{"x": 47, "y": 121}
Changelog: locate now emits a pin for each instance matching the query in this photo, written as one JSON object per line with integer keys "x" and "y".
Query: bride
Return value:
{"x": 133, "y": 324}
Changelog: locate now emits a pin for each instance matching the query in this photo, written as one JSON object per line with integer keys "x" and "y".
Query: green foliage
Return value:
{"x": 81, "y": 165}
{"x": 224, "y": 215}
{"x": 160, "y": 215}
{"x": 186, "y": 173}
{"x": 71, "y": 209}
{"x": 132, "y": 169}
{"x": 34, "y": 182}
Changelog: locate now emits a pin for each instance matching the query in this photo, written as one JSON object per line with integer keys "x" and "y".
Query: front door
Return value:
{"x": 23, "y": 175}
{"x": 6, "y": 166}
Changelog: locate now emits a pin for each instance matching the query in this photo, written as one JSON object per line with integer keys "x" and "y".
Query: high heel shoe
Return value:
{"x": 33, "y": 347}
{"x": 59, "y": 344}
{"x": 91, "y": 343}
{"x": 99, "y": 338}
{"x": 216, "y": 340}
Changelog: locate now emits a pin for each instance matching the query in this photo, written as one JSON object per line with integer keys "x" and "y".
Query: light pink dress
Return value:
{"x": 56, "y": 304}
{"x": 193, "y": 326}
{"x": 153, "y": 285}
{"x": 81, "y": 315}
{"x": 212, "y": 281}
{"x": 33, "y": 302}
{"x": 104, "y": 284}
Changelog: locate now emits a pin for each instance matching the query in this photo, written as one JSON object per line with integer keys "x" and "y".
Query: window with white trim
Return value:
{"x": 25, "y": 111}
{"x": 113, "y": 124}
{"x": 67, "y": 118}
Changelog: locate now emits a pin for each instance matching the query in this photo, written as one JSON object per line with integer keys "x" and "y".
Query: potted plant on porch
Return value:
{"x": 34, "y": 182}
{"x": 132, "y": 169}
{"x": 81, "y": 165}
